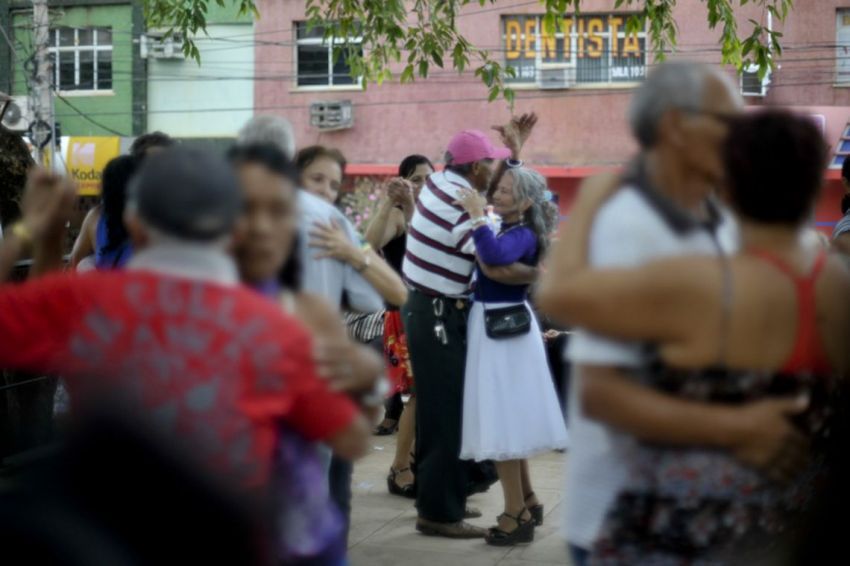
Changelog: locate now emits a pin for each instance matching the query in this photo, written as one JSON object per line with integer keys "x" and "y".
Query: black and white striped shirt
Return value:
{"x": 439, "y": 258}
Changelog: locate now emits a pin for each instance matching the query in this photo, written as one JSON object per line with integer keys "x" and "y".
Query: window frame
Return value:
{"x": 321, "y": 42}
{"x": 841, "y": 79}
{"x": 573, "y": 61}
{"x": 56, "y": 49}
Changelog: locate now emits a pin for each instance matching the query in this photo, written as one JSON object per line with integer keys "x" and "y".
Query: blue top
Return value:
{"x": 112, "y": 259}
{"x": 514, "y": 243}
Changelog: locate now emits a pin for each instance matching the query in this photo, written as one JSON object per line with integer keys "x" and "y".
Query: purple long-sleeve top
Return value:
{"x": 514, "y": 243}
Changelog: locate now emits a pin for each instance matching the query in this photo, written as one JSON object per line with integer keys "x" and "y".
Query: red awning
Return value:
{"x": 551, "y": 172}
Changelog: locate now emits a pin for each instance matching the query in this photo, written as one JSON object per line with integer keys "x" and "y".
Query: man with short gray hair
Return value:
{"x": 327, "y": 277}
{"x": 274, "y": 130}
{"x": 664, "y": 208}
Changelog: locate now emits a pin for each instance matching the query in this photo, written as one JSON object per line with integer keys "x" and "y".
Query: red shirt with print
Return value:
{"x": 219, "y": 365}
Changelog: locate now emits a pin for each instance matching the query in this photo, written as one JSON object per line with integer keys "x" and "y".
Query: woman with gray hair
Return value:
{"x": 511, "y": 409}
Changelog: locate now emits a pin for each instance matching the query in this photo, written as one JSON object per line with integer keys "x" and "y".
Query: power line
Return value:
{"x": 86, "y": 116}
{"x": 520, "y": 96}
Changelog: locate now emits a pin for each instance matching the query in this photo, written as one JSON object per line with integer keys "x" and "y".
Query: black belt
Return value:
{"x": 458, "y": 303}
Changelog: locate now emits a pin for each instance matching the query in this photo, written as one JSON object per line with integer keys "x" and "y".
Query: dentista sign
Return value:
{"x": 596, "y": 45}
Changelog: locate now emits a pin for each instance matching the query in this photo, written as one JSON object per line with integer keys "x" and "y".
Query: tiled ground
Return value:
{"x": 383, "y": 534}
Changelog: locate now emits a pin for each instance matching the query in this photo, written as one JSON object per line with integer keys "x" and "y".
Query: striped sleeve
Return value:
{"x": 842, "y": 227}
{"x": 462, "y": 233}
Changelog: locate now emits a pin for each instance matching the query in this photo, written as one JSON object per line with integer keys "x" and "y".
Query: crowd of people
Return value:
{"x": 228, "y": 303}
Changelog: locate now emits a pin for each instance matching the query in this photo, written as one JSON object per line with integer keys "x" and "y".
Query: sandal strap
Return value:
{"x": 529, "y": 496}
{"x": 518, "y": 519}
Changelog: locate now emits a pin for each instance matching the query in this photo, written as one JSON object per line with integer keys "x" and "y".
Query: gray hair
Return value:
{"x": 274, "y": 130}
{"x": 672, "y": 85}
{"x": 542, "y": 215}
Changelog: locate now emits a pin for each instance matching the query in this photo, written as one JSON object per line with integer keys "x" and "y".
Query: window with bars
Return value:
{"x": 315, "y": 58}
{"x": 842, "y": 47}
{"x": 82, "y": 58}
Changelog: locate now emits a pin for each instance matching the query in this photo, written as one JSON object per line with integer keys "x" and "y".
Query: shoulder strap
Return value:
{"x": 807, "y": 353}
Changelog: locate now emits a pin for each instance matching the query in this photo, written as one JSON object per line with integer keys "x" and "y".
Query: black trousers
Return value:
{"x": 393, "y": 407}
{"x": 438, "y": 368}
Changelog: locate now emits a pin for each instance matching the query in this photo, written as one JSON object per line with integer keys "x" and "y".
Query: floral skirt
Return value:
{"x": 396, "y": 352}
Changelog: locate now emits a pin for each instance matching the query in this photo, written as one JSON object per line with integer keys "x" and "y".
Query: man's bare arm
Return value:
{"x": 756, "y": 433}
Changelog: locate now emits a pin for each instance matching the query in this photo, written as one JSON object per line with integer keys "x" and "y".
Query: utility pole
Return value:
{"x": 41, "y": 95}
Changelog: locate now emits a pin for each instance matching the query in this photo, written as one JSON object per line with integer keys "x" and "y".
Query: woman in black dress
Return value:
{"x": 388, "y": 232}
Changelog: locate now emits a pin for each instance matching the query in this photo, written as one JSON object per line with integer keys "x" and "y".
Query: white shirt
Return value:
{"x": 330, "y": 278}
{"x": 628, "y": 231}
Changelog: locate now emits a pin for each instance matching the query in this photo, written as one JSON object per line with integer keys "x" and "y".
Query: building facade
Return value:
{"x": 209, "y": 100}
{"x": 96, "y": 65}
{"x": 578, "y": 82}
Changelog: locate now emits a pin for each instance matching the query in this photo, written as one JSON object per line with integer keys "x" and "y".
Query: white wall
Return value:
{"x": 224, "y": 79}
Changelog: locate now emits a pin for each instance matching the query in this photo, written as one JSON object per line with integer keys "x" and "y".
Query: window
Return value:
{"x": 842, "y": 48}
{"x": 315, "y": 59}
{"x": 591, "y": 49}
{"x": 751, "y": 84}
{"x": 82, "y": 58}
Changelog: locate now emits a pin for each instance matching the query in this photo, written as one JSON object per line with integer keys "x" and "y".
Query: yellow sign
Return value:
{"x": 86, "y": 159}
{"x": 598, "y": 46}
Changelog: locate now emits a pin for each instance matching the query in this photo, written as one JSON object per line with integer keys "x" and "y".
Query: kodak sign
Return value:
{"x": 86, "y": 158}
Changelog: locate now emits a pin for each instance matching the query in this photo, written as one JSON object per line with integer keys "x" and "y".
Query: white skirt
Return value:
{"x": 510, "y": 406}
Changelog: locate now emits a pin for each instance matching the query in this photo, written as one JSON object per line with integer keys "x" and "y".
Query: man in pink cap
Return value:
{"x": 438, "y": 269}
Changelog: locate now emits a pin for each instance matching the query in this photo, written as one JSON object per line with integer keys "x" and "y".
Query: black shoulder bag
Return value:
{"x": 507, "y": 322}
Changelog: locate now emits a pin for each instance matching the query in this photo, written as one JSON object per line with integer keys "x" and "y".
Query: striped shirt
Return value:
{"x": 439, "y": 259}
{"x": 842, "y": 226}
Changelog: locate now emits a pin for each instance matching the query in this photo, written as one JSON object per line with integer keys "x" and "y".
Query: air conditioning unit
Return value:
{"x": 332, "y": 115}
{"x": 18, "y": 115}
{"x": 555, "y": 77}
{"x": 155, "y": 45}
{"x": 751, "y": 84}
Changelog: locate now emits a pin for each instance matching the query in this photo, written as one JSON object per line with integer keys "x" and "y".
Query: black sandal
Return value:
{"x": 535, "y": 510}
{"x": 522, "y": 534}
{"x": 383, "y": 430}
{"x": 408, "y": 491}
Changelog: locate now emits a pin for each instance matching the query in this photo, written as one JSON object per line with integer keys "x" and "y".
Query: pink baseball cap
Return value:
{"x": 469, "y": 146}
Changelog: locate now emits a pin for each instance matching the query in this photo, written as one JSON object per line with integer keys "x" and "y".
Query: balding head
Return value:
{"x": 679, "y": 86}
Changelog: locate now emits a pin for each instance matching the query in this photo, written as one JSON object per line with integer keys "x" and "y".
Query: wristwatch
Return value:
{"x": 367, "y": 261}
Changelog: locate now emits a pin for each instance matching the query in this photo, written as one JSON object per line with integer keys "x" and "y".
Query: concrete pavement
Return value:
{"x": 383, "y": 533}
